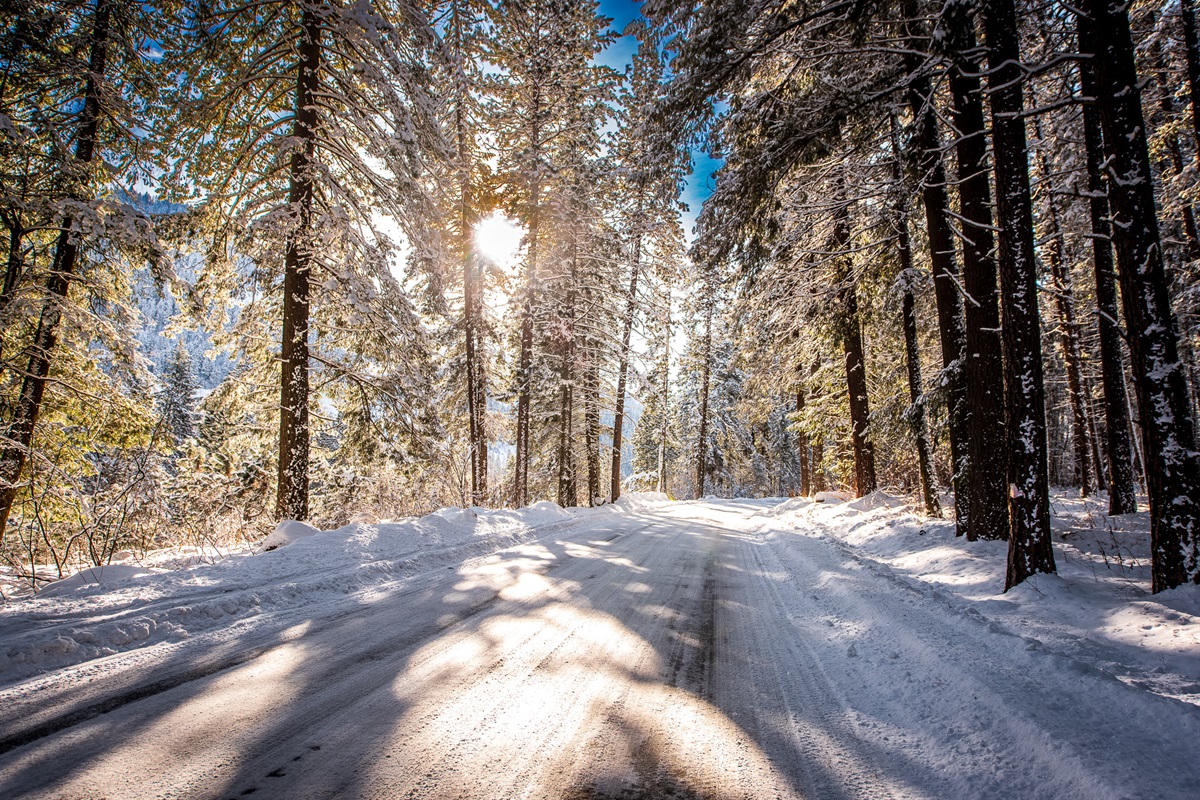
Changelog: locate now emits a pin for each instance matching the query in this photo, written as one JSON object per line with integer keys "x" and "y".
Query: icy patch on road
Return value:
{"x": 1097, "y": 611}
{"x": 107, "y": 610}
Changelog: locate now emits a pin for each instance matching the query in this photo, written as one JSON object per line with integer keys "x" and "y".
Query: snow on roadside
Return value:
{"x": 119, "y": 607}
{"x": 1098, "y": 609}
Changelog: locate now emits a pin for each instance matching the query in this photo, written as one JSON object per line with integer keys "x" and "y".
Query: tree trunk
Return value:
{"x": 591, "y": 424}
{"x": 567, "y": 495}
{"x": 983, "y": 361}
{"x": 1172, "y": 466}
{"x": 1029, "y": 546}
{"x": 816, "y": 463}
{"x": 635, "y": 269}
{"x": 1064, "y": 305}
{"x": 912, "y": 352}
{"x": 472, "y": 286}
{"x": 802, "y": 445}
{"x": 665, "y": 369}
{"x": 1192, "y": 56}
{"x": 525, "y": 359}
{"x": 932, "y": 171}
{"x": 1101, "y": 479}
{"x": 1122, "y": 494}
{"x": 856, "y": 373}
{"x": 292, "y": 498}
{"x": 705, "y": 373}
{"x": 14, "y": 264}
{"x": 19, "y": 433}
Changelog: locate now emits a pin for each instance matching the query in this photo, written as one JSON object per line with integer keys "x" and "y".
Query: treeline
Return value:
{"x": 958, "y": 231}
{"x": 318, "y": 170}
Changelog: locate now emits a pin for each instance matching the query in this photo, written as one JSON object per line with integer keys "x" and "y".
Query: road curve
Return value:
{"x": 684, "y": 653}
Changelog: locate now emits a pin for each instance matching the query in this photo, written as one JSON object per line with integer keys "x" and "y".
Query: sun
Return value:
{"x": 498, "y": 239}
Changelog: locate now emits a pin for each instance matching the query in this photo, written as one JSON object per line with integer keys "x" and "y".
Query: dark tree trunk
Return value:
{"x": 816, "y": 463}
{"x": 932, "y": 171}
{"x": 705, "y": 374}
{"x": 292, "y": 497}
{"x": 856, "y": 373}
{"x": 856, "y": 386}
{"x": 1101, "y": 479}
{"x": 567, "y": 495}
{"x": 983, "y": 362}
{"x": 476, "y": 385}
{"x": 1064, "y": 306}
{"x": 912, "y": 352}
{"x": 1172, "y": 467}
{"x": 1191, "y": 43}
{"x": 472, "y": 287}
{"x": 19, "y": 432}
{"x": 14, "y": 264}
{"x": 635, "y": 269}
{"x": 1029, "y": 546}
{"x": 665, "y": 371}
{"x": 802, "y": 446}
{"x": 525, "y": 359}
{"x": 591, "y": 424}
{"x": 1122, "y": 494}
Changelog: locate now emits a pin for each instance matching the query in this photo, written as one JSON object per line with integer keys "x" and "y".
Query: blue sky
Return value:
{"x": 699, "y": 184}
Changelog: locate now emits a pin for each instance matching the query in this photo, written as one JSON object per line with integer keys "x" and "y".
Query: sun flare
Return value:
{"x": 498, "y": 239}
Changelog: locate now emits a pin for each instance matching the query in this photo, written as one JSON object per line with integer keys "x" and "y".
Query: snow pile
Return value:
{"x": 108, "y": 576}
{"x": 106, "y": 610}
{"x": 1098, "y": 609}
{"x": 287, "y": 532}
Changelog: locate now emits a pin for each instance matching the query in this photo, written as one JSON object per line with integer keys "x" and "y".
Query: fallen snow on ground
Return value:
{"x": 173, "y": 595}
{"x": 1098, "y": 610}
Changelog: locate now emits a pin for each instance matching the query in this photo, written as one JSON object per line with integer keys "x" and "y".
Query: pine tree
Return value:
{"x": 79, "y": 90}
{"x": 650, "y": 186}
{"x": 298, "y": 124}
{"x": 177, "y": 398}
{"x": 545, "y": 89}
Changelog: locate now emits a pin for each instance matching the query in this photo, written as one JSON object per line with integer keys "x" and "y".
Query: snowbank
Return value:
{"x": 108, "y": 576}
{"x": 1098, "y": 609}
{"x": 106, "y": 610}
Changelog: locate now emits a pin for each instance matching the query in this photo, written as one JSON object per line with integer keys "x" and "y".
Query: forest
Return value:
{"x": 252, "y": 271}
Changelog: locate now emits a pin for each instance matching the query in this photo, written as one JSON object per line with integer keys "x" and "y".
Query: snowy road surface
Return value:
{"x": 673, "y": 653}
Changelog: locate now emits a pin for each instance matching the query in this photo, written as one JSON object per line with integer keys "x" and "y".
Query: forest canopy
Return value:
{"x": 346, "y": 259}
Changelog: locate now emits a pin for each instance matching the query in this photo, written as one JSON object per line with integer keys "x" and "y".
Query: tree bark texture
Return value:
{"x": 852, "y": 344}
{"x": 1191, "y": 42}
{"x": 1171, "y": 463}
{"x": 983, "y": 363}
{"x": 932, "y": 171}
{"x": 1029, "y": 545}
{"x": 912, "y": 353}
{"x": 19, "y": 432}
{"x": 1122, "y": 492}
{"x": 292, "y": 491}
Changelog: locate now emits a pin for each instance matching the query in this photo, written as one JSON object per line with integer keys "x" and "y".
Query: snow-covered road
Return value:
{"x": 676, "y": 652}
